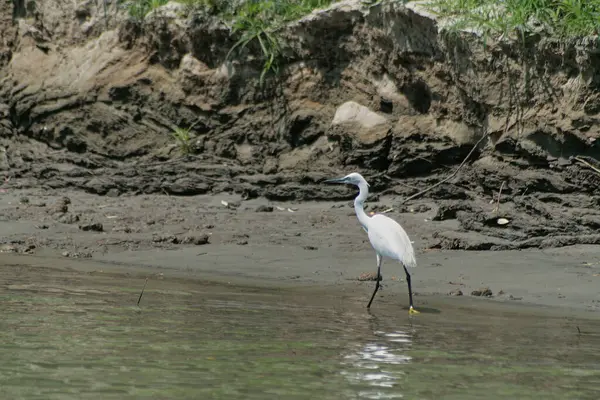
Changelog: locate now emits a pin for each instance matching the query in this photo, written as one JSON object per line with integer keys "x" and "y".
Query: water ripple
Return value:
{"x": 369, "y": 365}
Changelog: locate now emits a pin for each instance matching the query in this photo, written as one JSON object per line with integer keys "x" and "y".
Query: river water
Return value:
{"x": 79, "y": 335}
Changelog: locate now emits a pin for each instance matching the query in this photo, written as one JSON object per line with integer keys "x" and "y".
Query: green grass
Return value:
{"x": 255, "y": 22}
{"x": 559, "y": 18}
{"x": 183, "y": 137}
{"x": 138, "y": 9}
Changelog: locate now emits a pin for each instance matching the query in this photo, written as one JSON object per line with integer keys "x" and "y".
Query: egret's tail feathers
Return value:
{"x": 409, "y": 261}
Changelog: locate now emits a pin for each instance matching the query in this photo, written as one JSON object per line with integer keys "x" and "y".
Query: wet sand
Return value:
{"x": 318, "y": 245}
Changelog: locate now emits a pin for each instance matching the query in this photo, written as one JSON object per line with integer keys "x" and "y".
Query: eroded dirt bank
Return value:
{"x": 89, "y": 104}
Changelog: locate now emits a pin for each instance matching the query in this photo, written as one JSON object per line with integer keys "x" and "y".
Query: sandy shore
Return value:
{"x": 313, "y": 245}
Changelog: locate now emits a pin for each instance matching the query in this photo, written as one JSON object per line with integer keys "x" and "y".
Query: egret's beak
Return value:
{"x": 334, "y": 180}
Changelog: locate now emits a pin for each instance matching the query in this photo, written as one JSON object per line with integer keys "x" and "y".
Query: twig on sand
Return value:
{"x": 452, "y": 175}
{"x": 497, "y": 208}
{"x": 141, "y": 294}
{"x": 408, "y": 186}
{"x": 523, "y": 194}
{"x": 577, "y": 158}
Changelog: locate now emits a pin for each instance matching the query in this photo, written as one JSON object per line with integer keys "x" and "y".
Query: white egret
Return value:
{"x": 387, "y": 237}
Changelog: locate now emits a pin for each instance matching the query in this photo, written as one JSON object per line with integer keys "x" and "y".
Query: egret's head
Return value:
{"x": 352, "y": 179}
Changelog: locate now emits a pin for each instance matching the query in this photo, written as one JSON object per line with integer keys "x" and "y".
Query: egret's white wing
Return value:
{"x": 390, "y": 240}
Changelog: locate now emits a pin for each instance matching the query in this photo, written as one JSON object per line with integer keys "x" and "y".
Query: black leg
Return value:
{"x": 409, "y": 287}
{"x": 377, "y": 282}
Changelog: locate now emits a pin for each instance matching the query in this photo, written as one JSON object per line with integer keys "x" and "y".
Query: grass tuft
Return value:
{"x": 183, "y": 137}
{"x": 559, "y": 18}
{"x": 256, "y": 22}
{"x": 259, "y": 21}
{"x": 138, "y": 9}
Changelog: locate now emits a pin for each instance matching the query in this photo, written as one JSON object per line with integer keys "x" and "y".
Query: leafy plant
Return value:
{"x": 138, "y": 9}
{"x": 520, "y": 17}
{"x": 256, "y": 22}
{"x": 183, "y": 137}
{"x": 259, "y": 21}
{"x": 208, "y": 6}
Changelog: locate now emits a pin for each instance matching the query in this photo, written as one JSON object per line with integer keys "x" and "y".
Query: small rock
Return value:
{"x": 485, "y": 292}
{"x": 242, "y": 239}
{"x": 264, "y": 208}
{"x": 67, "y": 218}
{"x": 113, "y": 193}
{"x": 456, "y": 292}
{"x": 96, "y": 227}
{"x": 354, "y": 112}
{"x": 270, "y": 166}
{"x": 61, "y": 205}
{"x": 369, "y": 276}
{"x": 196, "y": 240}
{"x": 24, "y": 200}
{"x": 8, "y": 248}
{"x": 511, "y": 297}
{"x": 44, "y": 226}
{"x": 165, "y": 239}
{"x": 310, "y": 247}
{"x": 124, "y": 229}
{"x": 234, "y": 205}
{"x": 66, "y": 254}
{"x": 60, "y": 208}
{"x": 83, "y": 254}
{"x": 421, "y": 208}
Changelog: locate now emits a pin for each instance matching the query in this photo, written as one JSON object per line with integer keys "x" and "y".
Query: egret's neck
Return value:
{"x": 359, "y": 203}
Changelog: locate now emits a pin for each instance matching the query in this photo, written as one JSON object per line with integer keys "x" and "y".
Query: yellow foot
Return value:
{"x": 411, "y": 310}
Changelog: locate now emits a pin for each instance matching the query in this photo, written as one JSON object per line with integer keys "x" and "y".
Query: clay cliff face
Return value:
{"x": 90, "y": 100}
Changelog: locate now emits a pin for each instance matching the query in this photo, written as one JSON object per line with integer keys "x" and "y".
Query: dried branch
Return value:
{"x": 497, "y": 208}
{"x": 452, "y": 175}
{"x": 577, "y": 158}
{"x": 141, "y": 294}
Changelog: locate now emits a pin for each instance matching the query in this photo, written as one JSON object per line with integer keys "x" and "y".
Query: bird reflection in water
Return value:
{"x": 372, "y": 367}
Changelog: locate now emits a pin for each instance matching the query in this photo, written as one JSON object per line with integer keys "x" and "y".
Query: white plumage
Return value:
{"x": 390, "y": 240}
{"x": 387, "y": 237}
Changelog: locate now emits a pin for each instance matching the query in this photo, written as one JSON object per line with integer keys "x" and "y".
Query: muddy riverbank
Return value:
{"x": 132, "y": 141}
{"x": 281, "y": 245}
{"x": 95, "y": 100}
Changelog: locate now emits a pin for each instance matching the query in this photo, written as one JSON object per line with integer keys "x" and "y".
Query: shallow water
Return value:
{"x": 71, "y": 335}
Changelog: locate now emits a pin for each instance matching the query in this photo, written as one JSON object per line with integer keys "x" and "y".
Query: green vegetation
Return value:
{"x": 519, "y": 17}
{"x": 259, "y": 21}
{"x": 183, "y": 137}
{"x": 138, "y": 9}
{"x": 256, "y": 22}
